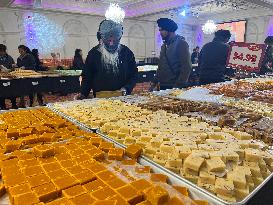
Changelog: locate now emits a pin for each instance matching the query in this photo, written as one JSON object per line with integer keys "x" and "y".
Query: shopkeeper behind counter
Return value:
{"x": 110, "y": 66}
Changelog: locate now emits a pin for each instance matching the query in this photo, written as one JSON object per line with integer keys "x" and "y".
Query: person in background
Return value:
{"x": 6, "y": 64}
{"x": 38, "y": 67}
{"x": 267, "y": 65}
{"x": 25, "y": 61}
{"x": 78, "y": 63}
{"x": 195, "y": 55}
{"x": 175, "y": 61}
{"x": 213, "y": 58}
{"x": 109, "y": 66}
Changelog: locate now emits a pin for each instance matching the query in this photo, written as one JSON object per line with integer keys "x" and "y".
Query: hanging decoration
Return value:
{"x": 209, "y": 28}
{"x": 42, "y": 33}
{"x": 115, "y": 13}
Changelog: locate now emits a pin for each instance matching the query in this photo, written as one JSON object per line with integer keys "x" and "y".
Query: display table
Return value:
{"x": 25, "y": 86}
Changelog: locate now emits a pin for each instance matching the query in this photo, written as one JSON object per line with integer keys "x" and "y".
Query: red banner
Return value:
{"x": 246, "y": 56}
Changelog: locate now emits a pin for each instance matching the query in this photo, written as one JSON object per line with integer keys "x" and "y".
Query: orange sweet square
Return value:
{"x": 50, "y": 167}
{"x": 106, "y": 175}
{"x": 46, "y": 160}
{"x": 106, "y": 146}
{"x": 12, "y": 133}
{"x": 96, "y": 154}
{"x": 85, "y": 177}
{"x": 130, "y": 194}
{"x": 143, "y": 170}
{"x": 25, "y": 132}
{"x": 46, "y": 192}
{"x": 30, "y": 171}
{"x": 76, "y": 152}
{"x": 156, "y": 195}
{"x": 85, "y": 199}
{"x": 9, "y": 163}
{"x": 65, "y": 182}
{"x": 60, "y": 201}
{"x": 159, "y": 178}
{"x": 68, "y": 163}
{"x": 120, "y": 200}
{"x": 12, "y": 145}
{"x": 30, "y": 198}
{"x": 133, "y": 151}
{"x": 116, "y": 154}
{"x": 13, "y": 180}
{"x": 182, "y": 190}
{"x": 43, "y": 151}
{"x": 19, "y": 189}
{"x": 96, "y": 141}
{"x": 73, "y": 191}
{"x": 116, "y": 183}
{"x": 96, "y": 167}
{"x": 57, "y": 174}
{"x": 81, "y": 158}
{"x": 104, "y": 193}
{"x": 106, "y": 202}
{"x": 75, "y": 170}
{"x": 141, "y": 184}
{"x": 38, "y": 180}
{"x": 28, "y": 163}
{"x": 94, "y": 185}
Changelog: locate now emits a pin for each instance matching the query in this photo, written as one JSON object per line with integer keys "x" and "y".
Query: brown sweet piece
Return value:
{"x": 14, "y": 180}
{"x": 46, "y": 192}
{"x": 141, "y": 184}
{"x": 44, "y": 151}
{"x": 120, "y": 200}
{"x": 25, "y": 132}
{"x": 104, "y": 193}
{"x": 144, "y": 203}
{"x": 12, "y": 133}
{"x": 96, "y": 141}
{"x": 116, "y": 183}
{"x": 106, "y": 202}
{"x": 57, "y": 174}
{"x": 38, "y": 180}
{"x": 85, "y": 199}
{"x": 94, "y": 185}
{"x": 12, "y": 145}
{"x": 106, "y": 175}
{"x": 130, "y": 194}
{"x": 96, "y": 154}
{"x": 26, "y": 199}
{"x": 51, "y": 167}
{"x": 73, "y": 191}
{"x": 85, "y": 177}
{"x": 182, "y": 190}
{"x": 30, "y": 171}
{"x": 106, "y": 146}
{"x": 156, "y": 195}
{"x": 133, "y": 151}
{"x": 60, "y": 201}
{"x": 65, "y": 182}
{"x": 159, "y": 178}
{"x": 116, "y": 154}
{"x": 143, "y": 170}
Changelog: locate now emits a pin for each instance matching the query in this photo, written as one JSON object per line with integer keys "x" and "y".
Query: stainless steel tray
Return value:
{"x": 197, "y": 192}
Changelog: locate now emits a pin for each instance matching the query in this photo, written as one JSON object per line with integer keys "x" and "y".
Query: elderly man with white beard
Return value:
{"x": 110, "y": 66}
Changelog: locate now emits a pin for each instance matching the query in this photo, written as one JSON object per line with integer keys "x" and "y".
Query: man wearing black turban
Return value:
{"x": 213, "y": 58}
{"x": 174, "y": 64}
{"x": 267, "y": 65}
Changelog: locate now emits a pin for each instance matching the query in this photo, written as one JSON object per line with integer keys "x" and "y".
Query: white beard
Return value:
{"x": 109, "y": 60}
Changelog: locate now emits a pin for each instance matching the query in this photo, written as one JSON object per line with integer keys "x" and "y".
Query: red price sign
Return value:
{"x": 246, "y": 56}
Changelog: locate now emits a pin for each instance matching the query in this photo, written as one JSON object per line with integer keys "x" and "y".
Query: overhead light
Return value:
{"x": 209, "y": 28}
{"x": 115, "y": 13}
{"x": 183, "y": 13}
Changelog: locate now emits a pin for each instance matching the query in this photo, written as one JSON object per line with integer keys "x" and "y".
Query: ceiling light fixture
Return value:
{"x": 115, "y": 13}
{"x": 209, "y": 28}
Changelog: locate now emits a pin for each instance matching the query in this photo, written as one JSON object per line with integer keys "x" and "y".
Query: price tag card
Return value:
{"x": 246, "y": 56}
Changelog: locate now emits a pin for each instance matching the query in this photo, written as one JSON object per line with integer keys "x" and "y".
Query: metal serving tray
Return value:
{"x": 261, "y": 195}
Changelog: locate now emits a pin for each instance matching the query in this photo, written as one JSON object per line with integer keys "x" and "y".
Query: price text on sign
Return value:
{"x": 246, "y": 56}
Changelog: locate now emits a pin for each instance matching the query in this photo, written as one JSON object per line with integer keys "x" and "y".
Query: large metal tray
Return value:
{"x": 261, "y": 195}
